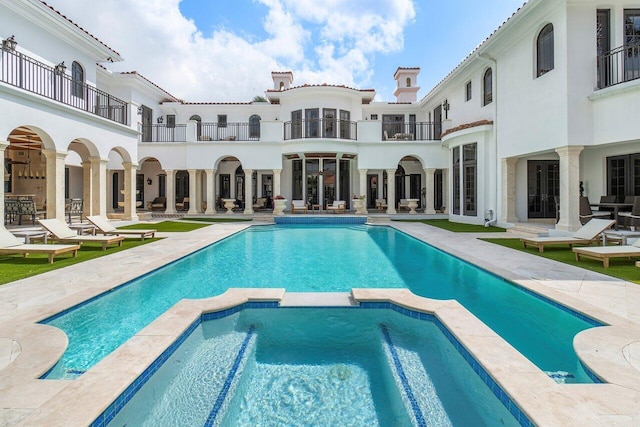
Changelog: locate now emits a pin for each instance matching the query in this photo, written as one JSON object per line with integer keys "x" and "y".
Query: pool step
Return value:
{"x": 416, "y": 388}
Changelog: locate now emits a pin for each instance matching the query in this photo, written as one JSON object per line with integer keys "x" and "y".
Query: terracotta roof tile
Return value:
{"x": 466, "y": 126}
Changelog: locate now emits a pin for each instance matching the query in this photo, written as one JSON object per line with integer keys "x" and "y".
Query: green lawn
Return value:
{"x": 216, "y": 219}
{"x": 165, "y": 226}
{"x": 455, "y": 226}
{"x": 619, "y": 267}
{"x": 15, "y": 267}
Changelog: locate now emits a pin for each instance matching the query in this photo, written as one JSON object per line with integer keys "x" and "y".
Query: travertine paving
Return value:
{"x": 27, "y": 349}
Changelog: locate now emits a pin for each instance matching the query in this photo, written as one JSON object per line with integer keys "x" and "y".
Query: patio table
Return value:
{"x": 31, "y": 234}
{"x": 615, "y": 206}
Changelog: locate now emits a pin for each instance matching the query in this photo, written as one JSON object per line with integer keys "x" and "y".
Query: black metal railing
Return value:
{"x": 34, "y": 76}
{"x": 163, "y": 133}
{"x": 321, "y": 128}
{"x": 228, "y": 131}
{"x": 619, "y": 65}
{"x": 411, "y": 131}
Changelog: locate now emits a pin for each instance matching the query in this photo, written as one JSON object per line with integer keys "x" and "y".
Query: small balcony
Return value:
{"x": 228, "y": 131}
{"x": 619, "y": 65}
{"x": 164, "y": 133}
{"x": 320, "y": 128}
{"x": 26, "y": 73}
{"x": 411, "y": 131}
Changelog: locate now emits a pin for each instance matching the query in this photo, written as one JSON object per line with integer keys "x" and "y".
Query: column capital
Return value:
{"x": 98, "y": 159}
{"x": 50, "y": 154}
{"x": 169, "y": 171}
{"x": 131, "y": 165}
{"x": 363, "y": 170}
{"x": 430, "y": 170}
{"x": 209, "y": 170}
{"x": 248, "y": 171}
{"x": 570, "y": 150}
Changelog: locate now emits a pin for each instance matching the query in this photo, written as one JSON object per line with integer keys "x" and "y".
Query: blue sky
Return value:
{"x": 204, "y": 50}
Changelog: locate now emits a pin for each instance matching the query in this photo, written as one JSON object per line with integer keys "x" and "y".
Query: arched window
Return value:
{"x": 198, "y": 126}
{"x": 77, "y": 79}
{"x": 408, "y": 81}
{"x": 544, "y": 54}
{"x": 254, "y": 127}
{"x": 487, "y": 87}
{"x": 281, "y": 85}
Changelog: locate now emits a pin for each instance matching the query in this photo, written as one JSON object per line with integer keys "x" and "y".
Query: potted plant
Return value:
{"x": 359, "y": 205}
{"x": 280, "y": 204}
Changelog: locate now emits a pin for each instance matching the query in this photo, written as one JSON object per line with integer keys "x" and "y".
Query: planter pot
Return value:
{"x": 229, "y": 204}
{"x": 413, "y": 204}
{"x": 359, "y": 206}
{"x": 279, "y": 206}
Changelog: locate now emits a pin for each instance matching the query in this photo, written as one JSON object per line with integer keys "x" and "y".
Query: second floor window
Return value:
{"x": 467, "y": 91}
{"x": 254, "y": 126}
{"x": 222, "y": 120}
{"x": 77, "y": 78}
{"x": 487, "y": 90}
{"x": 544, "y": 54}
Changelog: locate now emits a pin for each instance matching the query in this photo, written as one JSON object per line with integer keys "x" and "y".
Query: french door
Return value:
{"x": 543, "y": 184}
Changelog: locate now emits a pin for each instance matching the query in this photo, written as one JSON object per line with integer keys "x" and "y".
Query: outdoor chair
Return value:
{"x": 61, "y": 232}
{"x": 337, "y": 206}
{"x": 11, "y": 210}
{"x": 631, "y": 219}
{"x": 604, "y": 253}
{"x": 381, "y": 204}
{"x": 586, "y": 214}
{"x": 260, "y": 203}
{"x": 159, "y": 204}
{"x": 10, "y": 244}
{"x": 75, "y": 210}
{"x": 28, "y": 208}
{"x": 183, "y": 205}
{"x": 403, "y": 203}
{"x": 587, "y": 234}
{"x": 103, "y": 226}
{"x": 299, "y": 205}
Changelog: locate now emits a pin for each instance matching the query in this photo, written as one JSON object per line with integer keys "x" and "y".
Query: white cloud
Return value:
{"x": 333, "y": 42}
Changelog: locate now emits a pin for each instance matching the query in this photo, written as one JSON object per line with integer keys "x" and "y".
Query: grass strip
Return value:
{"x": 456, "y": 227}
{"x": 165, "y": 226}
{"x": 214, "y": 219}
{"x": 16, "y": 267}
{"x": 621, "y": 268}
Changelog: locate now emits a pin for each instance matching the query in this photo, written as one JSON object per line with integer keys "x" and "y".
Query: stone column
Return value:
{"x": 569, "y": 187}
{"x": 429, "y": 176}
{"x": 509, "y": 190}
{"x": 363, "y": 188}
{"x": 171, "y": 191}
{"x": 248, "y": 191}
{"x": 391, "y": 191}
{"x": 445, "y": 191}
{"x": 98, "y": 186}
{"x": 199, "y": 175}
{"x": 3, "y": 146}
{"x": 193, "y": 192}
{"x": 276, "y": 182}
{"x": 55, "y": 182}
{"x": 87, "y": 188}
{"x": 211, "y": 194}
{"x": 130, "y": 169}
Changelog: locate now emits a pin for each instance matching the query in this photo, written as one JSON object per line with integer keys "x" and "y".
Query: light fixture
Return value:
{"x": 60, "y": 69}
{"x": 149, "y": 181}
{"x": 139, "y": 109}
{"x": 9, "y": 43}
{"x": 445, "y": 105}
{"x": 160, "y": 119}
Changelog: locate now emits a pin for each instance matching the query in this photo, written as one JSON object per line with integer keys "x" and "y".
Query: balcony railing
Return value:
{"x": 619, "y": 65}
{"x": 320, "y": 128}
{"x": 164, "y": 133}
{"x": 228, "y": 131}
{"x": 33, "y": 76}
{"x": 411, "y": 131}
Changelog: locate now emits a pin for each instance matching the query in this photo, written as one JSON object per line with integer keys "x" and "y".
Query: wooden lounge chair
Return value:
{"x": 381, "y": 204}
{"x": 604, "y": 253}
{"x": 10, "y": 244}
{"x": 62, "y": 233}
{"x": 584, "y": 236}
{"x": 299, "y": 205}
{"x": 337, "y": 206}
{"x": 103, "y": 226}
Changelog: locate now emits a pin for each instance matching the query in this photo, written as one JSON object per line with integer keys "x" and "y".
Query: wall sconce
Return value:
{"x": 9, "y": 43}
{"x": 60, "y": 69}
{"x": 445, "y": 105}
{"x": 160, "y": 120}
{"x": 139, "y": 110}
{"x": 149, "y": 181}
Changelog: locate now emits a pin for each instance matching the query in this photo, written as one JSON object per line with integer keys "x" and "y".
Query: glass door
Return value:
{"x": 329, "y": 179}
{"x": 543, "y": 183}
{"x": 372, "y": 190}
{"x": 313, "y": 172}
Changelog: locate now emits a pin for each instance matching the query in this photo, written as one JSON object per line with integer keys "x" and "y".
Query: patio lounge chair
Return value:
{"x": 103, "y": 226}
{"x": 10, "y": 244}
{"x": 337, "y": 206}
{"x": 62, "y": 233}
{"x": 299, "y": 205}
{"x": 403, "y": 203}
{"x": 604, "y": 253}
{"x": 381, "y": 204}
{"x": 584, "y": 236}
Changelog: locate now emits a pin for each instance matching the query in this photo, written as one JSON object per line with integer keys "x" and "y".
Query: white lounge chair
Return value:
{"x": 381, "y": 204}
{"x": 10, "y": 244}
{"x": 299, "y": 205}
{"x": 604, "y": 253}
{"x": 584, "y": 236}
{"x": 103, "y": 226}
{"x": 62, "y": 233}
{"x": 403, "y": 203}
{"x": 337, "y": 206}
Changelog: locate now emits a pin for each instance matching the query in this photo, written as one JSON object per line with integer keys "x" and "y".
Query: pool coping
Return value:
{"x": 547, "y": 403}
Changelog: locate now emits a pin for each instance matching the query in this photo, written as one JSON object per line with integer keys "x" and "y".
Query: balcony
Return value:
{"x": 619, "y": 65}
{"x": 228, "y": 131}
{"x": 411, "y": 131}
{"x": 320, "y": 128}
{"x": 26, "y": 73}
{"x": 164, "y": 133}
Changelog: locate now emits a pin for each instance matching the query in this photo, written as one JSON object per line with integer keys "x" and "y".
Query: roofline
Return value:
{"x": 148, "y": 82}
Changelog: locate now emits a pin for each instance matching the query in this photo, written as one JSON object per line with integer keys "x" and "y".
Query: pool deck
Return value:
{"x": 27, "y": 349}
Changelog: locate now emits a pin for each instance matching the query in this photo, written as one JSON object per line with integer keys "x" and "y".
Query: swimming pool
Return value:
{"x": 309, "y": 366}
{"x": 323, "y": 258}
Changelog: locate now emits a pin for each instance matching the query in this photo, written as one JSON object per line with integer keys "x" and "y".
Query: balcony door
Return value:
{"x": 543, "y": 183}
{"x": 603, "y": 46}
{"x": 147, "y": 123}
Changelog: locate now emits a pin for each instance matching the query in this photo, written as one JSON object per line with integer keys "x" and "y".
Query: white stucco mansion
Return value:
{"x": 545, "y": 106}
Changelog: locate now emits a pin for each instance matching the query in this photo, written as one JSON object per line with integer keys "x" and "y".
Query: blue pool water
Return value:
{"x": 322, "y": 258}
{"x": 324, "y": 367}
